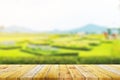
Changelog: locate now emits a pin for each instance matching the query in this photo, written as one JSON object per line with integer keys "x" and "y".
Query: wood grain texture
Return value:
{"x": 59, "y": 72}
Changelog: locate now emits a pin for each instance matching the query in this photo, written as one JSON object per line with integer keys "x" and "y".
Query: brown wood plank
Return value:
{"x": 111, "y": 69}
{"x": 111, "y": 74}
{"x": 20, "y": 72}
{"x": 64, "y": 73}
{"x": 10, "y": 71}
{"x": 76, "y": 75}
{"x": 8, "y": 68}
{"x": 52, "y": 73}
{"x": 60, "y": 72}
{"x": 88, "y": 75}
{"x": 4, "y": 67}
{"x": 42, "y": 73}
{"x": 115, "y": 66}
{"x": 100, "y": 75}
{"x": 31, "y": 73}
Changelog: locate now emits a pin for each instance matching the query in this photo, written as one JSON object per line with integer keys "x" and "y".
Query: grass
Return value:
{"x": 101, "y": 51}
{"x": 14, "y": 53}
{"x": 116, "y": 48}
{"x": 48, "y": 50}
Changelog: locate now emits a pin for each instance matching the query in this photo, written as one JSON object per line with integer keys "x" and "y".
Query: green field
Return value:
{"x": 58, "y": 48}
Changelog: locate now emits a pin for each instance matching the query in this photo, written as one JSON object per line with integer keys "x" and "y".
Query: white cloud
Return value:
{"x": 59, "y": 14}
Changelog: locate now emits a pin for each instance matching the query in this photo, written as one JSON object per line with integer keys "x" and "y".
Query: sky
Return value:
{"x": 59, "y": 14}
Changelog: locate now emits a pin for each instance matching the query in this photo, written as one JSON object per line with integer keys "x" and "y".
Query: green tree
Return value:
{"x": 109, "y": 31}
{"x": 119, "y": 30}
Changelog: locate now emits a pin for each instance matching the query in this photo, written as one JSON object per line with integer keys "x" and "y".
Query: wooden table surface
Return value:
{"x": 59, "y": 72}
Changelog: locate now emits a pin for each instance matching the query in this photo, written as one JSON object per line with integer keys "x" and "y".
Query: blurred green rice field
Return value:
{"x": 56, "y": 48}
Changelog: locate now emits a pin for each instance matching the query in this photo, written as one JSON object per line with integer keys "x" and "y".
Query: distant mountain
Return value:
{"x": 13, "y": 29}
{"x": 90, "y": 28}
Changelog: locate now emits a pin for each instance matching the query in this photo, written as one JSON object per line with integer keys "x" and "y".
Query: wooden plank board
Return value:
{"x": 8, "y": 72}
{"x": 88, "y": 75}
{"x": 76, "y": 75}
{"x": 4, "y": 67}
{"x": 64, "y": 73}
{"x": 52, "y": 73}
{"x": 31, "y": 73}
{"x": 60, "y": 72}
{"x": 111, "y": 69}
{"x": 41, "y": 75}
{"x": 111, "y": 74}
{"x": 100, "y": 75}
{"x": 22, "y": 71}
{"x": 115, "y": 66}
{"x": 8, "y": 68}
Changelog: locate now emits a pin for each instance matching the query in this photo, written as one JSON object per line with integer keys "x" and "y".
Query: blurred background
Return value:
{"x": 59, "y": 32}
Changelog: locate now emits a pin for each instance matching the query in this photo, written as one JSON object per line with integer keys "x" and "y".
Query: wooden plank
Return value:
{"x": 111, "y": 74}
{"x": 76, "y": 75}
{"x": 31, "y": 73}
{"x": 100, "y": 75}
{"x": 109, "y": 69}
{"x": 42, "y": 73}
{"x": 3, "y": 67}
{"x": 8, "y": 68}
{"x": 59, "y": 72}
{"x": 52, "y": 73}
{"x": 64, "y": 73}
{"x": 8, "y": 72}
{"x": 88, "y": 75}
{"x": 115, "y": 66}
{"x": 20, "y": 72}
